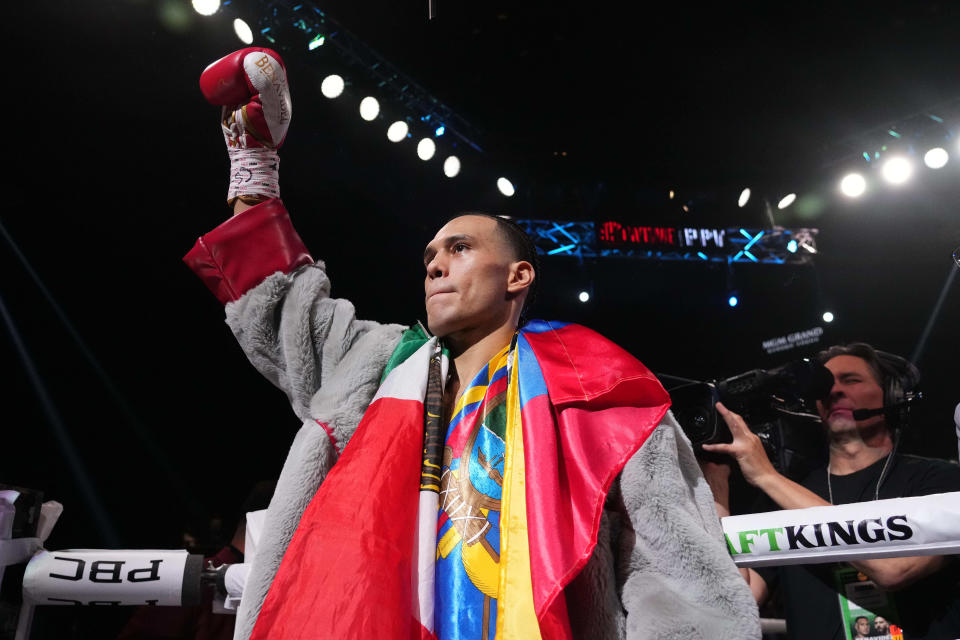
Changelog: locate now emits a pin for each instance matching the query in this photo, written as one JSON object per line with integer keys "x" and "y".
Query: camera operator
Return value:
{"x": 919, "y": 594}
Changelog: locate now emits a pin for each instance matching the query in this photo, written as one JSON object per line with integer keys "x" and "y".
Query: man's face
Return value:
{"x": 468, "y": 267}
{"x": 880, "y": 625}
{"x": 863, "y": 626}
{"x": 854, "y": 387}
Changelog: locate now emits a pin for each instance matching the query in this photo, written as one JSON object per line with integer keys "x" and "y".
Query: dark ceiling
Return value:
{"x": 679, "y": 91}
{"x": 115, "y": 164}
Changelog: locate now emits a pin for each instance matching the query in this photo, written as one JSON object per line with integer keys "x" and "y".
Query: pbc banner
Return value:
{"x": 102, "y": 577}
{"x": 921, "y": 526}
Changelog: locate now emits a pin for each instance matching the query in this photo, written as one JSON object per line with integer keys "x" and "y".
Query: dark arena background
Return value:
{"x": 127, "y": 399}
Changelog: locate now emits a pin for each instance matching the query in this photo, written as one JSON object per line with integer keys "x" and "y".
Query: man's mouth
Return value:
{"x": 847, "y": 411}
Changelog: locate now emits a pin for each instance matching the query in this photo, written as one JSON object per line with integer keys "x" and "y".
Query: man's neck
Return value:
{"x": 471, "y": 356}
{"x": 853, "y": 451}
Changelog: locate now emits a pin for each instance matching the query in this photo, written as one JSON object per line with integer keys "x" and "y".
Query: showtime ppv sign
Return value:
{"x": 616, "y": 235}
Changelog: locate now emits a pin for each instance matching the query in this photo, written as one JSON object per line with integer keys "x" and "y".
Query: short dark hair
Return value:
{"x": 888, "y": 370}
{"x": 860, "y": 350}
{"x": 522, "y": 247}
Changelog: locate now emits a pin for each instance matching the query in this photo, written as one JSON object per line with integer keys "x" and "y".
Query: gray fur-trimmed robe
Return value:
{"x": 660, "y": 568}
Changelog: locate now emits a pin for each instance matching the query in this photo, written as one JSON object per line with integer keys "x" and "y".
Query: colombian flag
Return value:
{"x": 360, "y": 563}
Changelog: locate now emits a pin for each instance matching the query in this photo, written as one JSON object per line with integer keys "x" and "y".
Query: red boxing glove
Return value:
{"x": 251, "y": 86}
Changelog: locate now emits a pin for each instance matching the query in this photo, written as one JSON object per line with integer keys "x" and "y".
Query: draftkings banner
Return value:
{"x": 922, "y": 526}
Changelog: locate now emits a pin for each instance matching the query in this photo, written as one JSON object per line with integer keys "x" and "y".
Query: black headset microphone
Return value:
{"x": 863, "y": 414}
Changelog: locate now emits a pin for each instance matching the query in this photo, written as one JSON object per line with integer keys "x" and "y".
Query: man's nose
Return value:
{"x": 436, "y": 267}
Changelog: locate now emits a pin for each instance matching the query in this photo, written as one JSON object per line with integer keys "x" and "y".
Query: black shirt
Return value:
{"x": 928, "y": 609}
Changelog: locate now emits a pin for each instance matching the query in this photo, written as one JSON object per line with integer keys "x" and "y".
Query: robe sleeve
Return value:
{"x": 677, "y": 578}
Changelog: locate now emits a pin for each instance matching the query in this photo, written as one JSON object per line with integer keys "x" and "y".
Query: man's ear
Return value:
{"x": 521, "y": 277}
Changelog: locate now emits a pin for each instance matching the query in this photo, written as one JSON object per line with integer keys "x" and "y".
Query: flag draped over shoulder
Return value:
{"x": 360, "y": 564}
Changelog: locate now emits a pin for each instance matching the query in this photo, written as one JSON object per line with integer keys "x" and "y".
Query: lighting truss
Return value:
{"x": 934, "y": 126}
{"x": 551, "y": 238}
{"x": 732, "y": 245}
{"x": 304, "y": 23}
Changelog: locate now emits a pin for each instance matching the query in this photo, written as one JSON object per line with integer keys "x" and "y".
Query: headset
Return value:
{"x": 900, "y": 378}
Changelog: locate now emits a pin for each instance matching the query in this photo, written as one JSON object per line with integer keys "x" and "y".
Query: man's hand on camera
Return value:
{"x": 746, "y": 448}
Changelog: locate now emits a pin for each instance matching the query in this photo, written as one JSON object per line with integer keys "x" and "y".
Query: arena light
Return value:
{"x": 897, "y": 170}
{"x": 397, "y": 131}
{"x": 827, "y": 316}
{"x": 506, "y": 187}
{"x": 332, "y": 86}
{"x": 242, "y": 29}
{"x": 426, "y": 148}
{"x": 786, "y": 201}
{"x": 369, "y": 108}
{"x": 936, "y": 158}
{"x": 451, "y": 166}
{"x": 440, "y": 131}
{"x": 744, "y": 198}
{"x": 583, "y": 296}
{"x": 175, "y": 15}
{"x": 206, "y": 7}
{"x": 317, "y": 42}
{"x": 733, "y": 301}
{"x": 853, "y": 185}
{"x": 792, "y": 246}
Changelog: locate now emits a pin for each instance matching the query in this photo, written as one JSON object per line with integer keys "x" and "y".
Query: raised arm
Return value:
{"x": 276, "y": 296}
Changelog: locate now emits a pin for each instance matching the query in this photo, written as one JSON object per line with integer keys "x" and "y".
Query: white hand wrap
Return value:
{"x": 253, "y": 171}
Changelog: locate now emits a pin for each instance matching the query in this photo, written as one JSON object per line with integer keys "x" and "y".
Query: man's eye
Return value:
{"x": 457, "y": 248}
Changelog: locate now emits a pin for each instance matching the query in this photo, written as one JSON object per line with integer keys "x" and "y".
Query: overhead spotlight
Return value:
{"x": 786, "y": 201}
{"x": 206, "y": 7}
{"x": 827, "y": 316}
{"x": 672, "y": 194}
{"x": 853, "y": 185}
{"x": 369, "y": 108}
{"x": 397, "y": 131}
{"x": 332, "y": 86}
{"x": 583, "y": 296}
{"x": 744, "y": 198}
{"x": 439, "y": 131}
{"x": 242, "y": 29}
{"x": 733, "y": 301}
{"x": 936, "y": 158}
{"x": 792, "y": 246}
{"x": 317, "y": 42}
{"x": 426, "y": 148}
{"x": 897, "y": 170}
{"x": 505, "y": 186}
{"x": 451, "y": 166}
